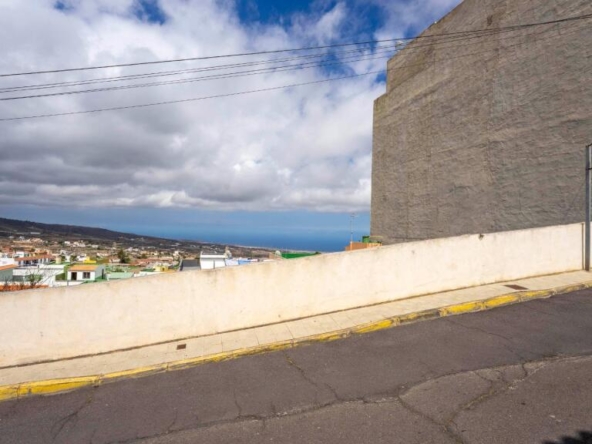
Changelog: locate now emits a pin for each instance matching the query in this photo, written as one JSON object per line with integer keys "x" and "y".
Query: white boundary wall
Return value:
{"x": 66, "y": 322}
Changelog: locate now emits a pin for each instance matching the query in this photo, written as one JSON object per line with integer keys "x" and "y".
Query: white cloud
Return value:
{"x": 302, "y": 148}
{"x": 411, "y": 16}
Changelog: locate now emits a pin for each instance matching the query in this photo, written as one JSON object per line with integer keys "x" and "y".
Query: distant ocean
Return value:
{"x": 322, "y": 242}
{"x": 280, "y": 230}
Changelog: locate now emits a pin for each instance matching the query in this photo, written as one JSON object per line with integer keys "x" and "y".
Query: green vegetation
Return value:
{"x": 292, "y": 255}
{"x": 123, "y": 257}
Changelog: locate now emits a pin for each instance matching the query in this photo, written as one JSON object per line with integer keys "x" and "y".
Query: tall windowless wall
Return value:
{"x": 485, "y": 132}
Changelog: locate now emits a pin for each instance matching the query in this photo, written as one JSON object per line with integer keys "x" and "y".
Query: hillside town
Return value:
{"x": 35, "y": 255}
{"x": 33, "y": 262}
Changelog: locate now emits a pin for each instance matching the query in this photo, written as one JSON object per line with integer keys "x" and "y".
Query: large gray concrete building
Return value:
{"x": 485, "y": 131}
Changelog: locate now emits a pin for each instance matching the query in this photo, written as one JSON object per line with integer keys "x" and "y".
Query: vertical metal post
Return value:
{"x": 588, "y": 209}
{"x": 351, "y": 230}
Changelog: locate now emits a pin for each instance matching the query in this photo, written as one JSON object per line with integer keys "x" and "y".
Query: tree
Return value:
{"x": 33, "y": 279}
{"x": 123, "y": 257}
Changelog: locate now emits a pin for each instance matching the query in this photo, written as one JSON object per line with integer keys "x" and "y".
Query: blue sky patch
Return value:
{"x": 62, "y": 6}
{"x": 365, "y": 17}
{"x": 269, "y": 11}
{"x": 149, "y": 11}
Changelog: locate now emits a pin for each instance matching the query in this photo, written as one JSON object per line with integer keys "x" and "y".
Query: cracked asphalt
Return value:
{"x": 516, "y": 374}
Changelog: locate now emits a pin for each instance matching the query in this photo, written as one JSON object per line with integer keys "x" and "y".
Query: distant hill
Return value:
{"x": 13, "y": 227}
{"x": 58, "y": 232}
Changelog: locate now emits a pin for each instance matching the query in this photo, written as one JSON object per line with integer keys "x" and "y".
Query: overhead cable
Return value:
{"x": 223, "y": 95}
{"x": 278, "y": 51}
{"x": 271, "y": 69}
{"x": 260, "y": 71}
{"x": 194, "y": 99}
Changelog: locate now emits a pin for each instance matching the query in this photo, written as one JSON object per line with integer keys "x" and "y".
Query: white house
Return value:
{"x": 45, "y": 273}
{"x": 34, "y": 260}
{"x": 85, "y": 272}
{"x": 211, "y": 261}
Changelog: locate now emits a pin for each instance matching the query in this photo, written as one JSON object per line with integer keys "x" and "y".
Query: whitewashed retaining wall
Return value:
{"x": 66, "y": 322}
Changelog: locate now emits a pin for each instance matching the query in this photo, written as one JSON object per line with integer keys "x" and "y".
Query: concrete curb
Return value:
{"x": 53, "y": 386}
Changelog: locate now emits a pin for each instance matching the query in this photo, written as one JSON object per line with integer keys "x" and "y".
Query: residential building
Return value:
{"x": 211, "y": 261}
{"x": 361, "y": 245}
{"x": 6, "y": 273}
{"x": 189, "y": 264}
{"x": 45, "y": 274}
{"x": 33, "y": 260}
{"x": 86, "y": 272}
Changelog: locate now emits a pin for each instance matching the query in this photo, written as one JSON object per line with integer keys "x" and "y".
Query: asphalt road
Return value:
{"x": 516, "y": 374}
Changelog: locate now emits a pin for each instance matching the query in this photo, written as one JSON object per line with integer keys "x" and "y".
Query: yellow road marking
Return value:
{"x": 66, "y": 384}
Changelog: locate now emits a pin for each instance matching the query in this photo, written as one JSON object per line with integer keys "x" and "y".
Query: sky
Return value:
{"x": 284, "y": 166}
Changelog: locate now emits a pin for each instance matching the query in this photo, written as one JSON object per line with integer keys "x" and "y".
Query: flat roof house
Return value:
{"x": 28, "y": 261}
{"x": 86, "y": 273}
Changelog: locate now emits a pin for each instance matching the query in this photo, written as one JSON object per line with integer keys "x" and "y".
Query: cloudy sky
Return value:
{"x": 272, "y": 165}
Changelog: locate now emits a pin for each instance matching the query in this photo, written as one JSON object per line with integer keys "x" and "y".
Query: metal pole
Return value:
{"x": 588, "y": 209}
{"x": 351, "y": 228}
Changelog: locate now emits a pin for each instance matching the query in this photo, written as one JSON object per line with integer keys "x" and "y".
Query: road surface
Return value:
{"x": 516, "y": 374}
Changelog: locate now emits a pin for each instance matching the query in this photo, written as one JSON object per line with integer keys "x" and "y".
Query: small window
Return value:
{"x": 86, "y": 275}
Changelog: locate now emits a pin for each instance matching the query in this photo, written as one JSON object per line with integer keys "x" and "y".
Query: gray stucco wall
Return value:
{"x": 5, "y": 275}
{"x": 485, "y": 134}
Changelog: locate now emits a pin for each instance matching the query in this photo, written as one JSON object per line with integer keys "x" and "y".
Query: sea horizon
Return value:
{"x": 321, "y": 242}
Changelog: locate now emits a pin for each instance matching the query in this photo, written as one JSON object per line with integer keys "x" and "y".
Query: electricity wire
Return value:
{"x": 196, "y": 98}
{"x": 278, "y": 51}
{"x": 272, "y": 69}
{"x": 228, "y": 66}
{"x": 206, "y": 78}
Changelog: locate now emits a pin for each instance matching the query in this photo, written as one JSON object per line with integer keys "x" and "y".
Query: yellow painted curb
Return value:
{"x": 54, "y": 386}
{"x": 425, "y": 315}
{"x": 135, "y": 372}
{"x": 375, "y": 326}
{"x": 8, "y": 392}
{"x": 465, "y": 307}
{"x": 501, "y": 300}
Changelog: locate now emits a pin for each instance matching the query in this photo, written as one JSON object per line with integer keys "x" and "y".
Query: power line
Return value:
{"x": 277, "y": 51}
{"x": 194, "y": 99}
{"x": 194, "y": 70}
{"x": 446, "y": 39}
{"x": 179, "y": 72}
{"x": 209, "y": 68}
{"x": 272, "y": 69}
{"x": 215, "y": 67}
{"x": 220, "y": 95}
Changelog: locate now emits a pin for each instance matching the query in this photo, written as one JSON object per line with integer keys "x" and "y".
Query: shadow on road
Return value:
{"x": 582, "y": 438}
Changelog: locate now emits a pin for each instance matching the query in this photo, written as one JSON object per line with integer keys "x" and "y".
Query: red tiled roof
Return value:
{"x": 33, "y": 258}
